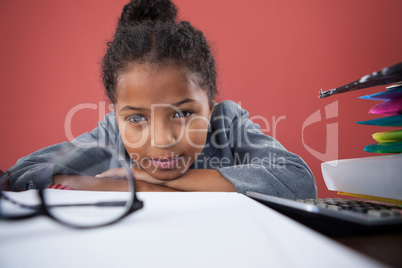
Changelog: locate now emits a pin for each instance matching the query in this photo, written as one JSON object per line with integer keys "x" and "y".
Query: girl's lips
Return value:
{"x": 166, "y": 162}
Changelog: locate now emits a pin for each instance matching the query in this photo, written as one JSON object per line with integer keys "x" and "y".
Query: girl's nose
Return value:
{"x": 162, "y": 135}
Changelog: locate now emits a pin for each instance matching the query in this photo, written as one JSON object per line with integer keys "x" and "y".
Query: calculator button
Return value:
{"x": 390, "y": 212}
{"x": 334, "y": 207}
{"x": 346, "y": 207}
{"x": 396, "y": 212}
{"x": 310, "y": 201}
{"x": 322, "y": 205}
{"x": 359, "y": 209}
{"x": 378, "y": 213}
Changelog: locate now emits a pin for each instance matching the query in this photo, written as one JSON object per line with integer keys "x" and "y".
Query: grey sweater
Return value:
{"x": 235, "y": 146}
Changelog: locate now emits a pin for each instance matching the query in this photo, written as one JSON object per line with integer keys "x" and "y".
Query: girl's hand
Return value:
{"x": 142, "y": 186}
{"x": 139, "y": 175}
{"x": 106, "y": 183}
{"x": 88, "y": 183}
{"x": 144, "y": 182}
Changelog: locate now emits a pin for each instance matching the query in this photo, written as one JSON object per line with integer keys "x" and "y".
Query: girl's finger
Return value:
{"x": 115, "y": 172}
{"x": 141, "y": 175}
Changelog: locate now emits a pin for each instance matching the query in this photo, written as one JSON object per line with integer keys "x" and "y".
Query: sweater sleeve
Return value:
{"x": 36, "y": 170}
{"x": 262, "y": 164}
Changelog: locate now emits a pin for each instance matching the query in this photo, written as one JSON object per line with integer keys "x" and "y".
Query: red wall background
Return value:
{"x": 272, "y": 56}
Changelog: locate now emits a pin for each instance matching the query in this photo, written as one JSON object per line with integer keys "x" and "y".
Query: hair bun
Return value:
{"x": 147, "y": 11}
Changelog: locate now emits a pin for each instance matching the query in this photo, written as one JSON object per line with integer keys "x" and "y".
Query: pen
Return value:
{"x": 387, "y": 75}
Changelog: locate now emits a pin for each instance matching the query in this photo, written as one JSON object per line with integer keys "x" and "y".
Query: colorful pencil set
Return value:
{"x": 391, "y": 108}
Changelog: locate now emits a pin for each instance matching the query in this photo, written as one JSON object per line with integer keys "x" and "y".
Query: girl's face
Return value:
{"x": 163, "y": 117}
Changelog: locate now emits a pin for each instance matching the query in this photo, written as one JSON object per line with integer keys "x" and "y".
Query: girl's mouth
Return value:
{"x": 166, "y": 162}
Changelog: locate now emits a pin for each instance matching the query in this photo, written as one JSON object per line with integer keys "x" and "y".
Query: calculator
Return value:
{"x": 337, "y": 216}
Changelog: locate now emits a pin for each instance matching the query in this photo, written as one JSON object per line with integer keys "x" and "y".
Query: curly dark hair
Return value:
{"x": 148, "y": 32}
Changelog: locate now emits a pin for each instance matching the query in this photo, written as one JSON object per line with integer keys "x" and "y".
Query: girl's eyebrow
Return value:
{"x": 125, "y": 108}
{"x": 183, "y": 101}
{"x": 144, "y": 109}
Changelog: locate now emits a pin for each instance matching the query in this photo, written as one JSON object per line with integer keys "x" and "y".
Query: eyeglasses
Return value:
{"x": 77, "y": 209}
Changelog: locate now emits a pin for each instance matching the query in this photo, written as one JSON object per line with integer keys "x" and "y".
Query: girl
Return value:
{"x": 160, "y": 76}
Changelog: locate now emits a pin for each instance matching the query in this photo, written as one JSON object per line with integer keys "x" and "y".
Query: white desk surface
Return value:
{"x": 177, "y": 230}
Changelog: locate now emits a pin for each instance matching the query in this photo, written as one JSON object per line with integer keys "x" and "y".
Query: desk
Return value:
{"x": 178, "y": 230}
{"x": 385, "y": 247}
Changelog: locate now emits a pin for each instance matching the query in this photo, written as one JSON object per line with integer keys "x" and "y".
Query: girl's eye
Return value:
{"x": 136, "y": 118}
{"x": 182, "y": 114}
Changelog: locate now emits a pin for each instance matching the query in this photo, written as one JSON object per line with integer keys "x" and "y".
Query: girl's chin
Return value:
{"x": 167, "y": 174}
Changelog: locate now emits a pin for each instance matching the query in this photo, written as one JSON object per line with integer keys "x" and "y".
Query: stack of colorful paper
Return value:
{"x": 391, "y": 107}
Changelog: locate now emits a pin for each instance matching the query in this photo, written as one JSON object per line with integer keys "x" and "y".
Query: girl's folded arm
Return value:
{"x": 261, "y": 163}
{"x": 208, "y": 180}
{"x": 35, "y": 171}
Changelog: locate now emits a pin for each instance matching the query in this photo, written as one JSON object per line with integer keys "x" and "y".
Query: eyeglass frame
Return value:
{"x": 42, "y": 209}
